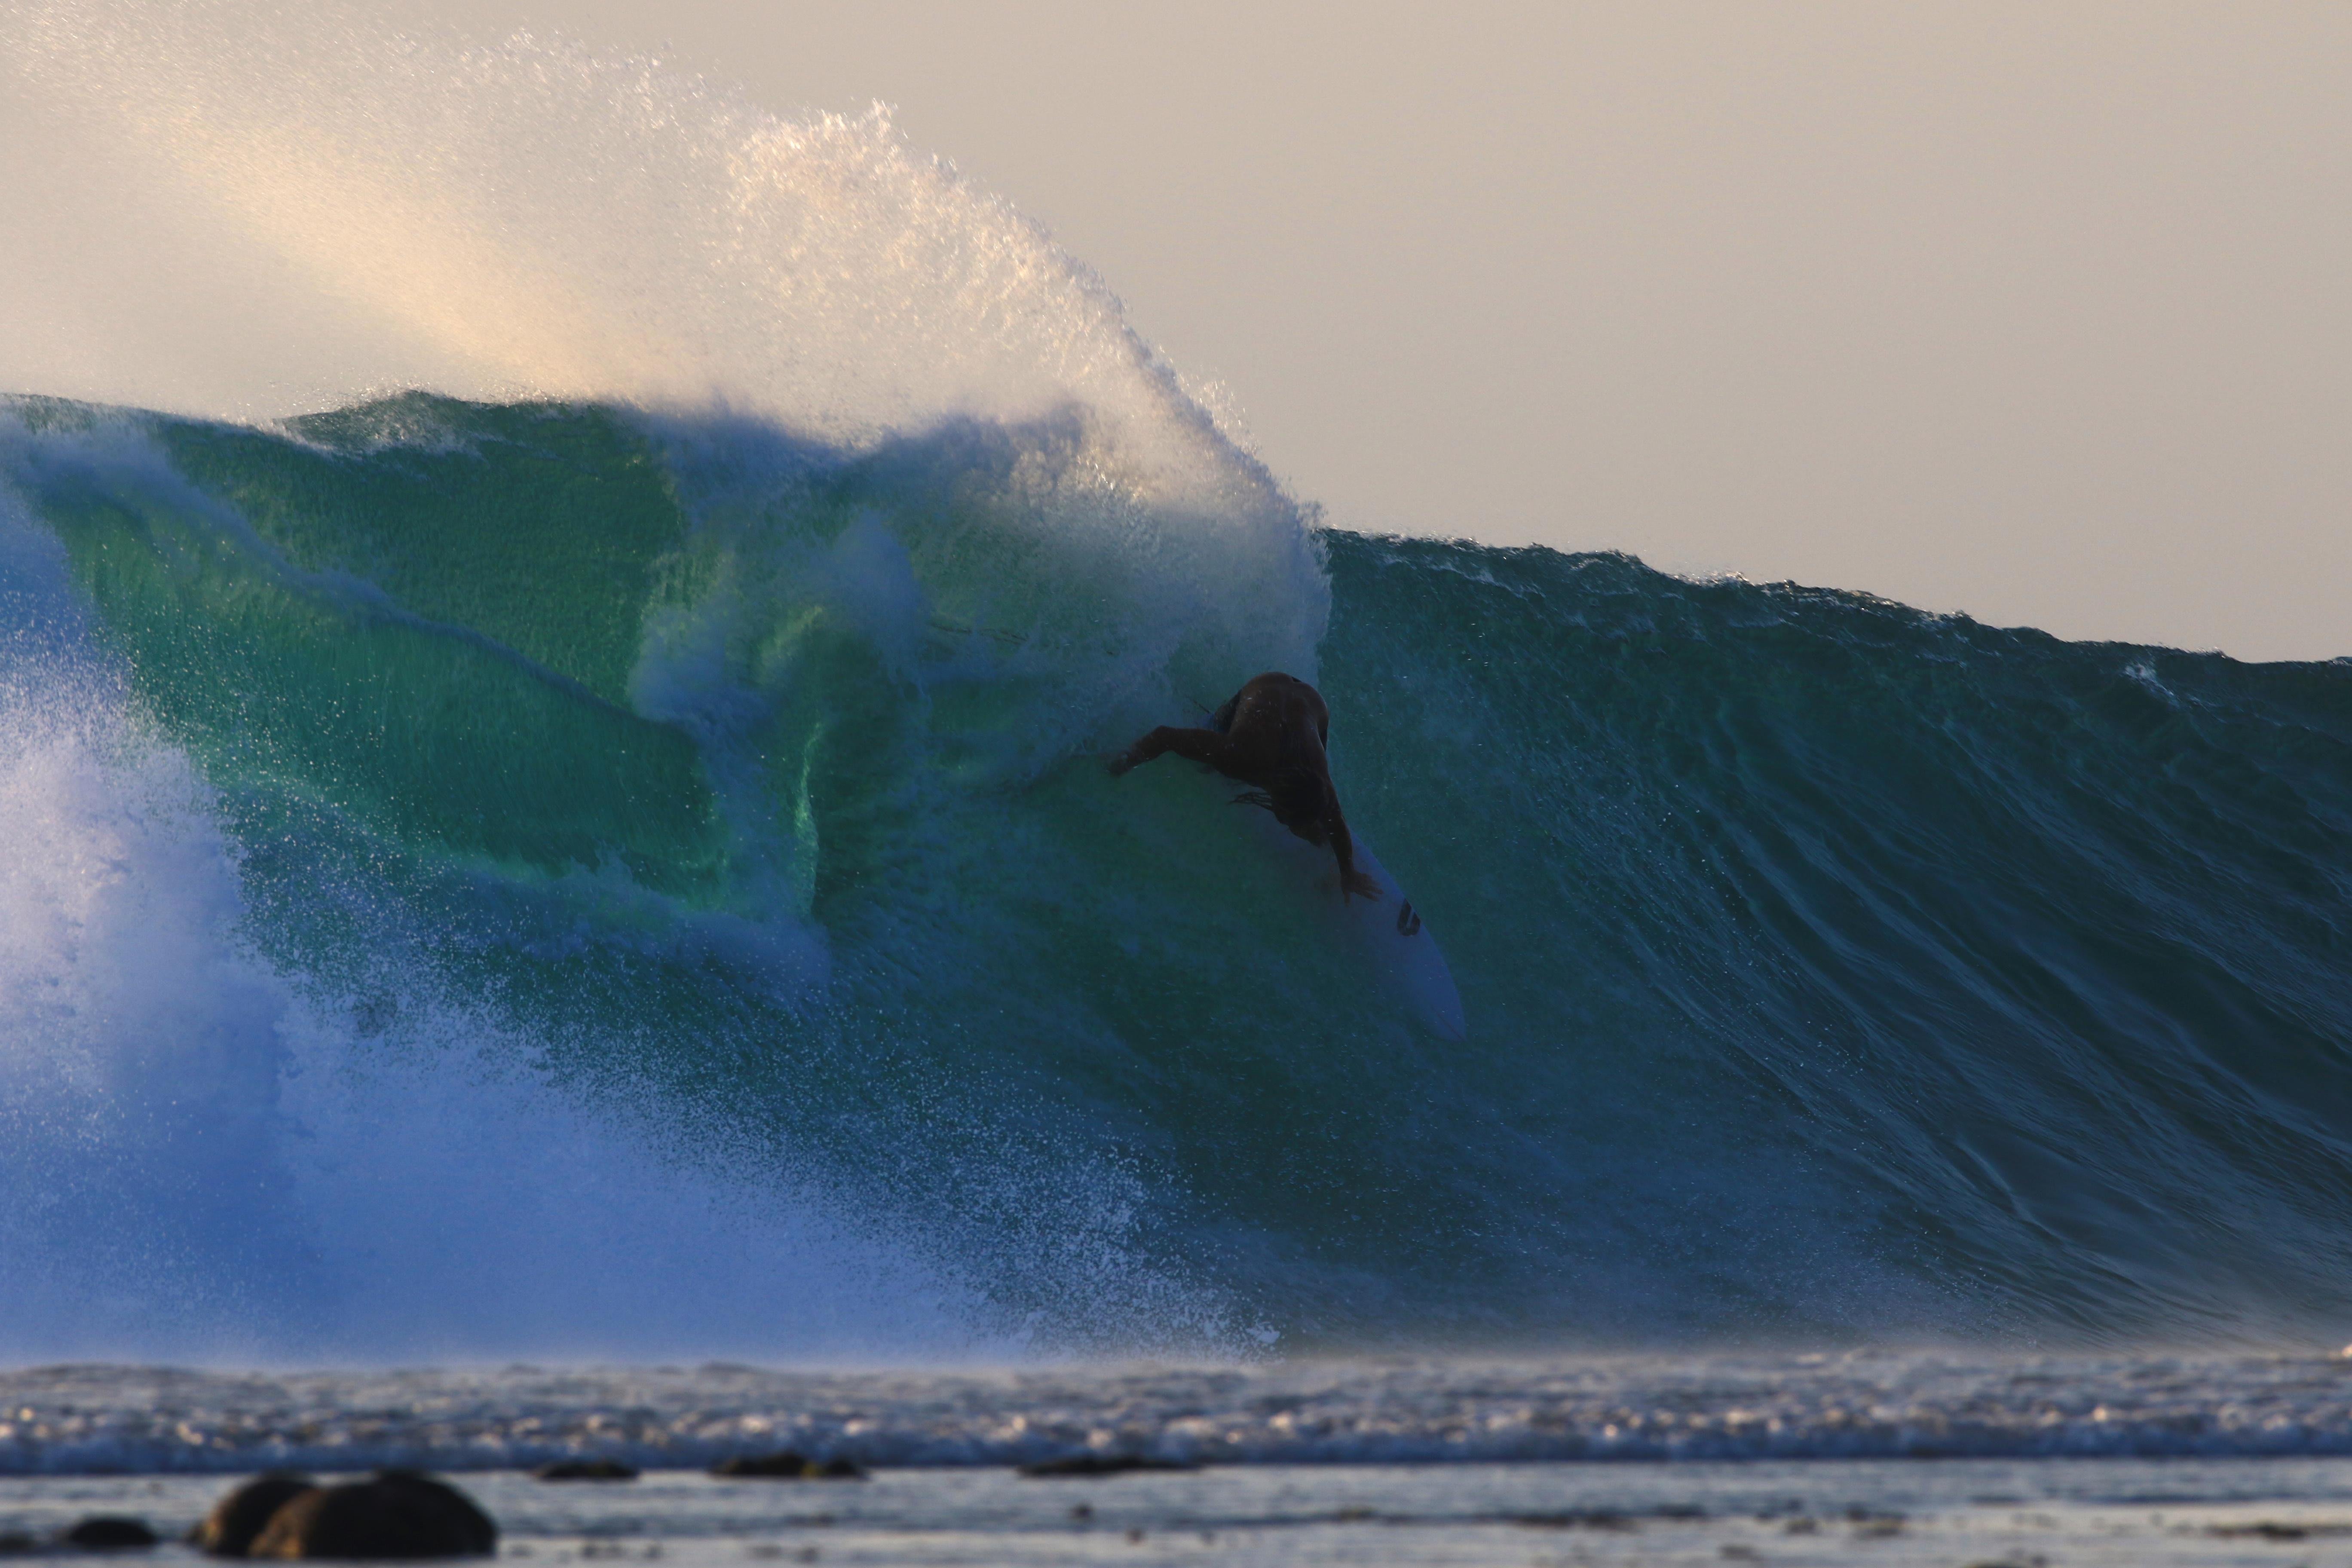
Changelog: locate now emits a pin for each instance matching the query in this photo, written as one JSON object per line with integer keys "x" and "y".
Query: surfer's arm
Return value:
{"x": 1200, "y": 745}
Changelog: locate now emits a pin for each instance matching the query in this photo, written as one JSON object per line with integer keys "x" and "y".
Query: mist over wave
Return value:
{"x": 609, "y": 855}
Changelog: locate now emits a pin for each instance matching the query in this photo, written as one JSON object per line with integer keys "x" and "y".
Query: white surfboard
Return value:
{"x": 1387, "y": 931}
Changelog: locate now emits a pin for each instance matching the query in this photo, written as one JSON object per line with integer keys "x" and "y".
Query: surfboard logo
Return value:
{"x": 1408, "y": 923}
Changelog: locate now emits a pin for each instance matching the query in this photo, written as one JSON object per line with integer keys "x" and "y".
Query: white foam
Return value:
{"x": 203, "y": 1156}
{"x": 265, "y": 213}
{"x": 202, "y": 1160}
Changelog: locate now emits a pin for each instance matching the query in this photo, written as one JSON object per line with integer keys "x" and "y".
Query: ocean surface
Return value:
{"x": 1820, "y": 1514}
{"x": 97, "y": 1420}
{"x": 1800, "y": 1460}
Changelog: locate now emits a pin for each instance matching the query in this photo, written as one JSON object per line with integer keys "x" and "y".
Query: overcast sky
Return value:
{"x": 2035, "y": 312}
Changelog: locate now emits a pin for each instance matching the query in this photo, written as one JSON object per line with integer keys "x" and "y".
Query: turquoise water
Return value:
{"x": 1832, "y": 970}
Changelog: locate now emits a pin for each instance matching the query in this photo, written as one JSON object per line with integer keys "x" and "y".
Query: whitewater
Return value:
{"x": 559, "y": 633}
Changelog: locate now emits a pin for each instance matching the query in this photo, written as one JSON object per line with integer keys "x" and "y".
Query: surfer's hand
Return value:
{"x": 1359, "y": 882}
{"x": 1122, "y": 763}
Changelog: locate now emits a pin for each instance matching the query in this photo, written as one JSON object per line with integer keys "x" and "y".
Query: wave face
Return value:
{"x": 502, "y": 875}
{"x": 611, "y": 859}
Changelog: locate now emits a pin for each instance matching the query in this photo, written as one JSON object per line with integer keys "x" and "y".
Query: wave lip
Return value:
{"x": 71, "y": 1419}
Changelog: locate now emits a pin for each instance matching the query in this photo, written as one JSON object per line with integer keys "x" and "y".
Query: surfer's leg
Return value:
{"x": 1201, "y": 745}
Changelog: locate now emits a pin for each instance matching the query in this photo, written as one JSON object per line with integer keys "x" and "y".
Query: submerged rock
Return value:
{"x": 788, "y": 1467}
{"x": 585, "y": 1470}
{"x": 238, "y": 1519}
{"x": 109, "y": 1532}
{"x": 400, "y": 1513}
{"x": 1087, "y": 1466}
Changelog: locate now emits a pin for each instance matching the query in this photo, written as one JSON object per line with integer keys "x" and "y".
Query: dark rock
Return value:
{"x": 1087, "y": 1466}
{"x": 230, "y": 1529}
{"x": 585, "y": 1470}
{"x": 1577, "y": 1519}
{"x": 787, "y": 1467}
{"x": 1871, "y": 1526}
{"x": 109, "y": 1532}
{"x": 16, "y": 1544}
{"x": 2271, "y": 1529}
{"x": 400, "y": 1513}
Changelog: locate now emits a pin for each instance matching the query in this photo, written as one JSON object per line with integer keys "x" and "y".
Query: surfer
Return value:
{"x": 1270, "y": 736}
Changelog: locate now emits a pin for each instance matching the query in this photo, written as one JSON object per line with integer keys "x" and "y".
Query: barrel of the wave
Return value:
{"x": 1388, "y": 932}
